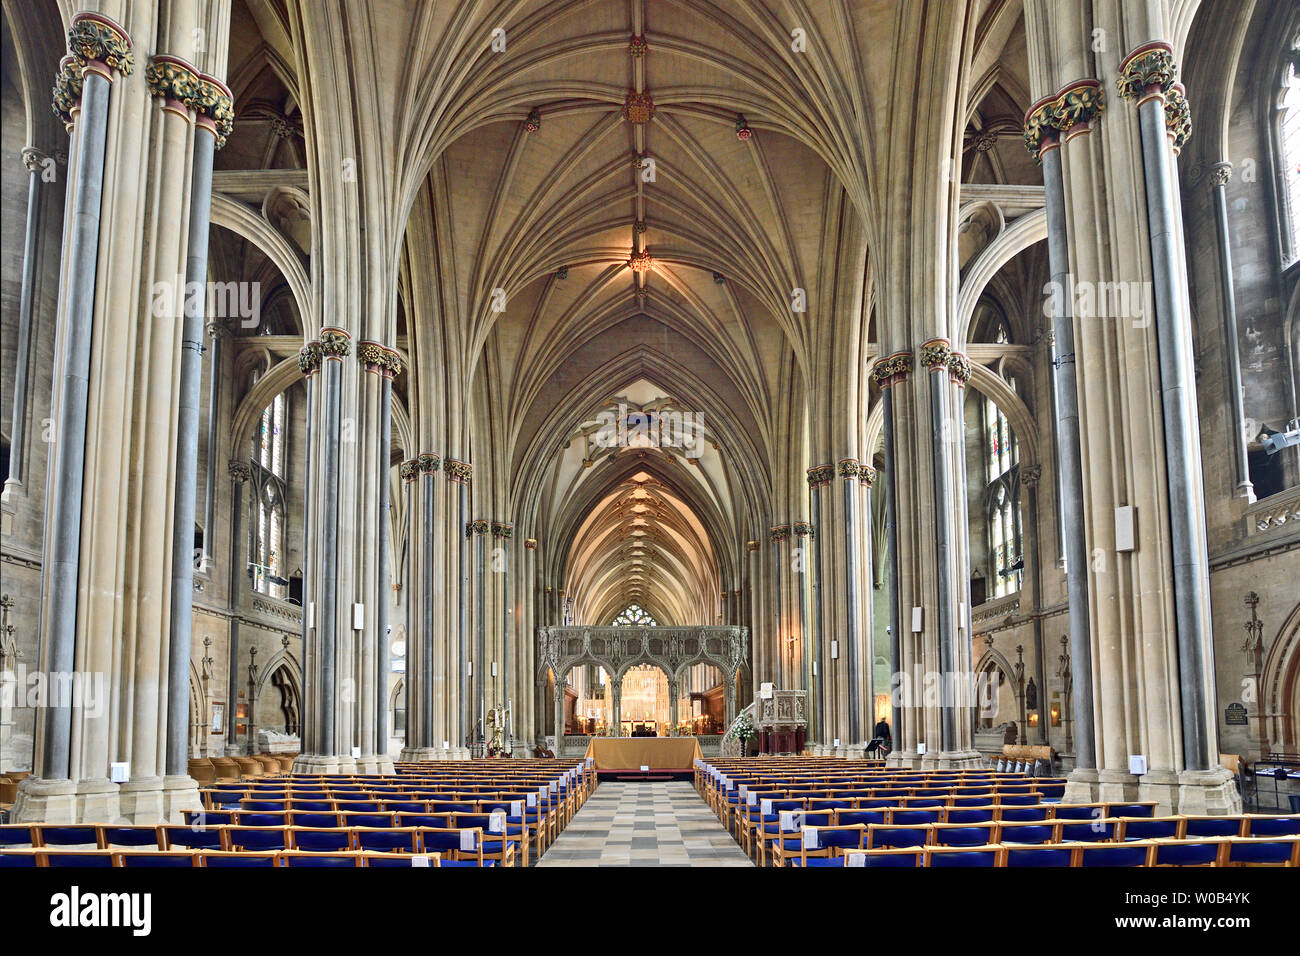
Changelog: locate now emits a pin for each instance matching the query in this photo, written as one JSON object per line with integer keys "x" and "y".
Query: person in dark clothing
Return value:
{"x": 882, "y": 730}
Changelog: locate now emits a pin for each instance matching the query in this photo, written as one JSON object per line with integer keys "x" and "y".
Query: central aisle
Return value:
{"x": 645, "y": 824}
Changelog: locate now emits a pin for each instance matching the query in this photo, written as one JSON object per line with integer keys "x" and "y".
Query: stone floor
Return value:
{"x": 645, "y": 824}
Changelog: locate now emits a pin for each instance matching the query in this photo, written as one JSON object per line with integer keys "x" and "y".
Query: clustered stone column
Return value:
{"x": 1140, "y": 653}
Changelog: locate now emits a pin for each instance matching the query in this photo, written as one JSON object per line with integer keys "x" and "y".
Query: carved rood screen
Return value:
{"x": 672, "y": 649}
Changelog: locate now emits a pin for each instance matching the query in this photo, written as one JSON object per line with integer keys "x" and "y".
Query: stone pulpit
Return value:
{"x": 782, "y": 721}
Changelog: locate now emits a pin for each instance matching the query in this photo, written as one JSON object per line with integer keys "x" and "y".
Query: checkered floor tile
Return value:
{"x": 645, "y": 824}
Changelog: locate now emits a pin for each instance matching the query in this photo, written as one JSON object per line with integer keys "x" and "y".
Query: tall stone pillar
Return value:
{"x": 100, "y": 51}
{"x": 1148, "y": 616}
{"x": 781, "y": 637}
{"x": 480, "y": 529}
{"x": 819, "y": 480}
{"x": 324, "y": 757}
{"x": 37, "y": 165}
{"x": 182, "y": 86}
{"x": 891, "y": 538}
{"x": 1148, "y": 78}
{"x": 460, "y": 473}
{"x": 1220, "y": 176}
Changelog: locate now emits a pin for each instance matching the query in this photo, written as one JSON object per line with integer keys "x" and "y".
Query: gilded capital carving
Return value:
{"x": 372, "y": 356}
{"x": 171, "y": 78}
{"x": 867, "y": 475}
{"x": 214, "y": 103}
{"x": 1074, "y": 105}
{"x": 959, "y": 369}
{"x": 335, "y": 344}
{"x": 848, "y": 468}
{"x": 409, "y": 469}
{"x": 820, "y": 475}
{"x": 802, "y": 529}
{"x": 751, "y": 546}
{"x": 892, "y": 369}
{"x": 428, "y": 463}
{"x": 309, "y": 358}
{"x": 459, "y": 471}
{"x": 392, "y": 365}
{"x": 502, "y": 529}
{"x": 1148, "y": 68}
{"x": 479, "y": 527}
{"x": 530, "y": 544}
{"x": 94, "y": 38}
{"x": 1178, "y": 117}
{"x": 935, "y": 353}
{"x": 779, "y": 533}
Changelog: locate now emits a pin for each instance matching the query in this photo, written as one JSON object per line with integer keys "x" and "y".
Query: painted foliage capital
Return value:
{"x": 372, "y": 356}
{"x": 459, "y": 471}
{"x": 479, "y": 527}
{"x": 1076, "y": 104}
{"x": 867, "y": 475}
{"x": 935, "y": 353}
{"x": 892, "y": 369}
{"x": 959, "y": 368}
{"x": 335, "y": 344}
{"x": 848, "y": 467}
{"x": 820, "y": 475}
{"x": 779, "y": 533}
{"x": 409, "y": 470}
{"x": 428, "y": 463}
{"x": 502, "y": 529}
{"x": 1148, "y": 68}
{"x": 803, "y": 529}
{"x": 1178, "y": 117}
{"x": 309, "y": 358}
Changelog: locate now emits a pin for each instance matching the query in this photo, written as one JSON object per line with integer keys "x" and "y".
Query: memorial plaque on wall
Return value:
{"x": 1234, "y": 714}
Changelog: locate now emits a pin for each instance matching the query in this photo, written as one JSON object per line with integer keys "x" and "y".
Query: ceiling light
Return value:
{"x": 640, "y": 261}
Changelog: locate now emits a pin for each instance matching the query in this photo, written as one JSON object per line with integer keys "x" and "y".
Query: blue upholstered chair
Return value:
{"x": 1185, "y": 853}
{"x": 129, "y": 836}
{"x": 194, "y": 838}
{"x": 1111, "y": 855}
{"x": 1037, "y": 856}
{"x": 257, "y": 838}
{"x": 321, "y": 840}
{"x": 943, "y": 857}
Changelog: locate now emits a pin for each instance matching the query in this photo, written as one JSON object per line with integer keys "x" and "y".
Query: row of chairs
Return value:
{"x": 209, "y": 858}
{"x": 1212, "y": 852}
{"x": 786, "y": 832}
{"x": 465, "y": 841}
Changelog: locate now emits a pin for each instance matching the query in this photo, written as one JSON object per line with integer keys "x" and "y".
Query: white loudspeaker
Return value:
{"x": 916, "y": 620}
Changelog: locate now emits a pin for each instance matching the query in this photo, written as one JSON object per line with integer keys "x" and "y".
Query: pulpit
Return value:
{"x": 782, "y": 722}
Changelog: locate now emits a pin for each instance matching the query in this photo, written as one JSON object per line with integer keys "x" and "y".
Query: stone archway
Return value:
{"x": 1280, "y": 690}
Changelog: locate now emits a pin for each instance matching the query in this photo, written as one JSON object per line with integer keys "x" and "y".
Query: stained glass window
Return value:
{"x": 634, "y": 614}
{"x": 1002, "y": 454}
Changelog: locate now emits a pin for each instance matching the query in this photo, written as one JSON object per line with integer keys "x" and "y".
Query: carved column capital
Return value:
{"x": 409, "y": 470}
{"x": 820, "y": 475}
{"x": 240, "y": 471}
{"x": 1221, "y": 173}
{"x": 428, "y": 463}
{"x": 459, "y": 471}
{"x": 335, "y": 344}
{"x": 34, "y": 159}
{"x": 309, "y": 358}
{"x": 1150, "y": 68}
{"x": 1030, "y": 475}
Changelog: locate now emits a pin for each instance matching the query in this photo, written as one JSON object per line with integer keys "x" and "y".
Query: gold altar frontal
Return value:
{"x": 633, "y": 753}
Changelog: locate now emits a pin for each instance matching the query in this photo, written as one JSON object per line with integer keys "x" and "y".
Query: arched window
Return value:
{"x": 1288, "y": 133}
{"x": 1002, "y": 497}
{"x": 267, "y": 558}
{"x": 634, "y": 614}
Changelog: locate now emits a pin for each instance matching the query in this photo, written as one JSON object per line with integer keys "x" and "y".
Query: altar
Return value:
{"x": 627, "y": 755}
